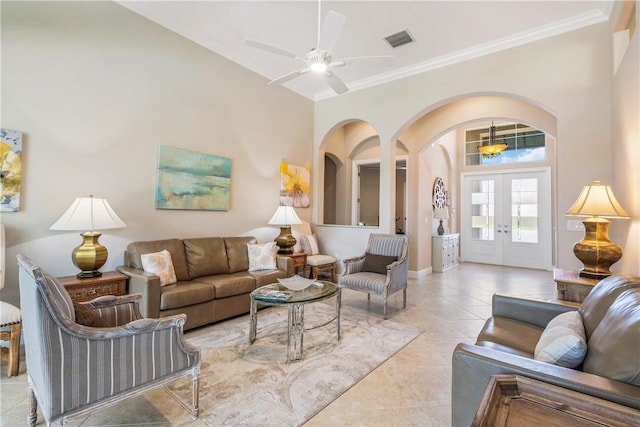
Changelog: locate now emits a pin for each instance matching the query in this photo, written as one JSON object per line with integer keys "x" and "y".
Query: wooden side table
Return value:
{"x": 570, "y": 286}
{"x": 513, "y": 400}
{"x": 299, "y": 261}
{"x": 110, "y": 283}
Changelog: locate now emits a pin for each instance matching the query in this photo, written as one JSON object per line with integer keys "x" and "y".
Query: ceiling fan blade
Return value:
{"x": 345, "y": 61}
{"x": 269, "y": 48}
{"x": 331, "y": 31}
{"x": 335, "y": 82}
{"x": 290, "y": 76}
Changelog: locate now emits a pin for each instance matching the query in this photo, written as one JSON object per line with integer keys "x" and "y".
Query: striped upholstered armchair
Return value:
{"x": 73, "y": 368}
{"x": 381, "y": 270}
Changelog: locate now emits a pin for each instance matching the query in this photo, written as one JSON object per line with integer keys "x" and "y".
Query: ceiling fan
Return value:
{"x": 318, "y": 60}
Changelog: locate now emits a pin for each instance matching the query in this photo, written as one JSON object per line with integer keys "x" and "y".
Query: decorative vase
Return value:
{"x": 440, "y": 229}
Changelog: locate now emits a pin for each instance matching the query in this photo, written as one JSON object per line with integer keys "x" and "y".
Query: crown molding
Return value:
{"x": 576, "y": 22}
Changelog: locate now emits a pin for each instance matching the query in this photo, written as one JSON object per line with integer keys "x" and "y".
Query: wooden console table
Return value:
{"x": 513, "y": 400}
{"x": 570, "y": 286}
{"x": 110, "y": 283}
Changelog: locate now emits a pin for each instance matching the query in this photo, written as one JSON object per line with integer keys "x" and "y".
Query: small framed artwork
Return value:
{"x": 191, "y": 180}
{"x": 295, "y": 185}
{"x": 10, "y": 169}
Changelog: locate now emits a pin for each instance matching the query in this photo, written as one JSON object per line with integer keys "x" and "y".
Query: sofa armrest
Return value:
{"x": 146, "y": 284}
{"x": 285, "y": 263}
{"x": 473, "y": 366}
{"x": 534, "y": 312}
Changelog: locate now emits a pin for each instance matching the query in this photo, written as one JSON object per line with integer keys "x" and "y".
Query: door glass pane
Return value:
{"x": 483, "y": 210}
{"x": 524, "y": 210}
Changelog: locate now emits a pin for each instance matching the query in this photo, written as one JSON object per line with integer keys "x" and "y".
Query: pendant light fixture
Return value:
{"x": 492, "y": 149}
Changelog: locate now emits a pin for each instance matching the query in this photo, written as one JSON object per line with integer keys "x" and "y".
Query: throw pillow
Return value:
{"x": 563, "y": 341}
{"x": 85, "y": 316}
{"x": 160, "y": 264}
{"x": 262, "y": 256}
{"x": 377, "y": 263}
{"x": 309, "y": 244}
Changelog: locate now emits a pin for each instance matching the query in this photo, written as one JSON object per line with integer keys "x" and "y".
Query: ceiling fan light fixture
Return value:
{"x": 318, "y": 67}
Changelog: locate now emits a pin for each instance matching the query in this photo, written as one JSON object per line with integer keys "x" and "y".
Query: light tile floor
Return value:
{"x": 412, "y": 388}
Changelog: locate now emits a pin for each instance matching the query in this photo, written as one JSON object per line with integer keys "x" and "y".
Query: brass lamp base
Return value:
{"x": 90, "y": 256}
{"x": 596, "y": 251}
{"x": 285, "y": 240}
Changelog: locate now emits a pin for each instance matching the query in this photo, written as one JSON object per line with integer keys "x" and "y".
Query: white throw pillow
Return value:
{"x": 262, "y": 256}
{"x": 309, "y": 244}
{"x": 160, "y": 264}
{"x": 563, "y": 342}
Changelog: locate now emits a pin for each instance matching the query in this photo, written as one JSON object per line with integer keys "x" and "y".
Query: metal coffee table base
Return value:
{"x": 295, "y": 321}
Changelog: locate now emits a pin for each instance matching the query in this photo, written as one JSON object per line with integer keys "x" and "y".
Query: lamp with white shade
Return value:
{"x": 89, "y": 213}
{"x": 285, "y": 217}
{"x": 596, "y": 251}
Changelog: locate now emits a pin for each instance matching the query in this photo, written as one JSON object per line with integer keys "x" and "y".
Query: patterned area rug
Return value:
{"x": 252, "y": 385}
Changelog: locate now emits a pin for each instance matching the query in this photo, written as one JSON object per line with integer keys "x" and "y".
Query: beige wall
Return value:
{"x": 625, "y": 139}
{"x": 568, "y": 75}
{"x": 95, "y": 89}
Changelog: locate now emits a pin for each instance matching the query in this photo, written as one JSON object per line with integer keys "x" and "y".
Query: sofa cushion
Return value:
{"x": 175, "y": 248}
{"x": 267, "y": 277}
{"x": 511, "y": 333}
{"x": 237, "y": 256}
{"x": 614, "y": 347}
{"x": 597, "y": 302}
{"x": 563, "y": 341}
{"x": 160, "y": 264}
{"x": 206, "y": 256}
{"x": 262, "y": 256}
{"x": 185, "y": 293}
{"x": 227, "y": 285}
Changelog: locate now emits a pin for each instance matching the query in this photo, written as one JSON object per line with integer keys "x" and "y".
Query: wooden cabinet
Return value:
{"x": 110, "y": 283}
{"x": 445, "y": 251}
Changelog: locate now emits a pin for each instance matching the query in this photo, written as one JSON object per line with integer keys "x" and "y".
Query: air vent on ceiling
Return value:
{"x": 399, "y": 38}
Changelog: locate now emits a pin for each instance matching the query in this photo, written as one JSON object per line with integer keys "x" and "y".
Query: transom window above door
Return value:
{"x": 523, "y": 144}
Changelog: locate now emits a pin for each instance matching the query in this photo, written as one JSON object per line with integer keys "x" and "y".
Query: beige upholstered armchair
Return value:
{"x": 10, "y": 322}
{"x": 73, "y": 368}
{"x": 381, "y": 270}
{"x": 316, "y": 261}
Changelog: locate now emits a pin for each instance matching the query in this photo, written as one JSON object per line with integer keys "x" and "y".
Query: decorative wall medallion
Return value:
{"x": 439, "y": 194}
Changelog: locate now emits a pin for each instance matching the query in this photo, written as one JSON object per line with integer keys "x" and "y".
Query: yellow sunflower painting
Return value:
{"x": 10, "y": 169}
{"x": 295, "y": 185}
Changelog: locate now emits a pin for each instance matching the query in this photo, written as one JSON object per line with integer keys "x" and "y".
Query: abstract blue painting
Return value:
{"x": 191, "y": 180}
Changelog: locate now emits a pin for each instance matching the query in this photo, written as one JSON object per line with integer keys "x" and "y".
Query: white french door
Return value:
{"x": 506, "y": 218}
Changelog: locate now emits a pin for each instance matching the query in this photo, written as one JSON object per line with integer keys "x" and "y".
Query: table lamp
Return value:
{"x": 285, "y": 216}
{"x": 92, "y": 214}
{"x": 596, "y": 251}
{"x": 440, "y": 214}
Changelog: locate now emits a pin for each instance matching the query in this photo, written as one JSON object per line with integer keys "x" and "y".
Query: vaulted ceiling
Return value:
{"x": 444, "y": 32}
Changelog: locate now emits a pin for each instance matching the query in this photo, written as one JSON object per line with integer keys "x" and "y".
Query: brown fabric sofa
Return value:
{"x": 213, "y": 278}
{"x": 506, "y": 345}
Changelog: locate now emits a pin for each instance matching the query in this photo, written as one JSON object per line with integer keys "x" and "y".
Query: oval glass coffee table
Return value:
{"x": 277, "y": 295}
